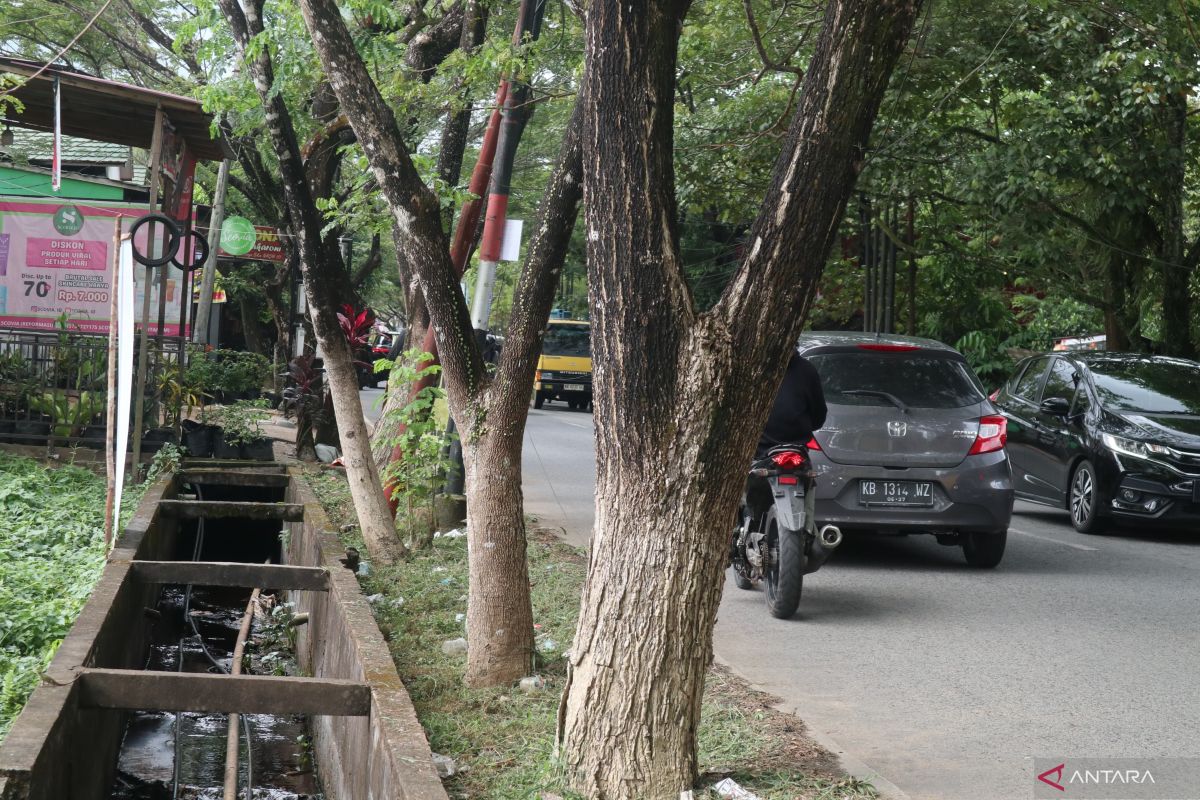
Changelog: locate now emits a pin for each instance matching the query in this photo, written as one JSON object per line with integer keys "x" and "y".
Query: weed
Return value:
{"x": 51, "y": 552}
{"x": 504, "y": 736}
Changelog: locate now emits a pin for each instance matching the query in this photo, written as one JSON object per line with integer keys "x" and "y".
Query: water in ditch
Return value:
{"x": 282, "y": 767}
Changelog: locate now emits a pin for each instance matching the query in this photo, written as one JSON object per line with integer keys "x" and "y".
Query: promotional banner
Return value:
{"x": 54, "y": 260}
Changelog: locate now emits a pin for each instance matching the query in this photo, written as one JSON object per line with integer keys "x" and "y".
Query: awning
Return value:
{"x": 107, "y": 111}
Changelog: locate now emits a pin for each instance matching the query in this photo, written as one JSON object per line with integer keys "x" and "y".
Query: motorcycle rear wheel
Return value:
{"x": 785, "y": 577}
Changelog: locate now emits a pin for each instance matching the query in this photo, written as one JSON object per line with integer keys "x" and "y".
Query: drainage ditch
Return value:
{"x": 137, "y": 703}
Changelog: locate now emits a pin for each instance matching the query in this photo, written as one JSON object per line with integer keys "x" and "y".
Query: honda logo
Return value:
{"x": 897, "y": 429}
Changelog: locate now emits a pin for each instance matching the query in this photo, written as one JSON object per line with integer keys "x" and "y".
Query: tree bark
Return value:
{"x": 1176, "y": 277}
{"x": 680, "y": 398}
{"x": 911, "y": 240}
{"x": 318, "y": 267}
{"x": 490, "y": 410}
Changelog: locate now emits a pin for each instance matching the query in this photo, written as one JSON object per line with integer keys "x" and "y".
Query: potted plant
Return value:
{"x": 69, "y": 413}
{"x": 240, "y": 433}
{"x": 304, "y": 400}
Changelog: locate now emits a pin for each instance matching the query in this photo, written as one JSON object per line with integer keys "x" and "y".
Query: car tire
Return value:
{"x": 1084, "y": 500}
{"x": 786, "y": 581}
{"x": 538, "y": 401}
{"x": 983, "y": 550}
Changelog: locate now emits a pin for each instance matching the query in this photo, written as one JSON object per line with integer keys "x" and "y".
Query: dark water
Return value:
{"x": 145, "y": 771}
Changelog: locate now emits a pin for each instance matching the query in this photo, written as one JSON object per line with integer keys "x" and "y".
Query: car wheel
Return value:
{"x": 539, "y": 401}
{"x": 983, "y": 550}
{"x": 1084, "y": 499}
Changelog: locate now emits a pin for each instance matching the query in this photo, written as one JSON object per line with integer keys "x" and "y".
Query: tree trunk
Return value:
{"x": 681, "y": 398}
{"x": 321, "y": 276}
{"x": 1176, "y": 277}
{"x": 911, "y": 241}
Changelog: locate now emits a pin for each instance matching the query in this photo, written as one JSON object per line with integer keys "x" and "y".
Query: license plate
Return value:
{"x": 895, "y": 493}
{"x": 573, "y": 387}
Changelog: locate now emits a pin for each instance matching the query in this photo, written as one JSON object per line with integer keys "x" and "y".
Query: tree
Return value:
{"x": 681, "y": 396}
{"x": 490, "y": 408}
{"x": 320, "y": 264}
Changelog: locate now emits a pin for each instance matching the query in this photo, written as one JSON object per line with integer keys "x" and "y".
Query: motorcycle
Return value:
{"x": 777, "y": 540}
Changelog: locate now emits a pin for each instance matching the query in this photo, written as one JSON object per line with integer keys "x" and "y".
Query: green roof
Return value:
{"x": 38, "y": 146}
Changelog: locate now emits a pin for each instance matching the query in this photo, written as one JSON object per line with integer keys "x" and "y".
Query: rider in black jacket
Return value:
{"x": 799, "y": 407}
{"x": 798, "y": 411}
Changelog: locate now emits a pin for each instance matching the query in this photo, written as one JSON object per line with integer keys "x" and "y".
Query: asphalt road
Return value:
{"x": 944, "y": 681}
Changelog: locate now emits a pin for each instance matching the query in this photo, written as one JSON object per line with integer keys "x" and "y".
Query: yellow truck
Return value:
{"x": 564, "y": 370}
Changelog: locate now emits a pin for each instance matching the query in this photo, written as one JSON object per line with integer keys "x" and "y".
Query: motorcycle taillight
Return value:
{"x": 789, "y": 459}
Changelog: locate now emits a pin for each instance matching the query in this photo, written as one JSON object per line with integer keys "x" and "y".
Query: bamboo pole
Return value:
{"x": 139, "y": 388}
{"x": 231, "y": 736}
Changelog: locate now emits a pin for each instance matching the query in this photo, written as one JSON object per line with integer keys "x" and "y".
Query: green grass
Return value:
{"x": 51, "y": 553}
{"x": 505, "y": 736}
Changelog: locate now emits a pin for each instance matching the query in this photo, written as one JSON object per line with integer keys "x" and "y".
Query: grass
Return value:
{"x": 504, "y": 737}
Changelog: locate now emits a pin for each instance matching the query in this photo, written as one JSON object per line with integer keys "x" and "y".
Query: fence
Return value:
{"x": 54, "y": 388}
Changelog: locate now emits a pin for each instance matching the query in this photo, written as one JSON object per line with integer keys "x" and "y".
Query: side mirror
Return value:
{"x": 1056, "y": 406}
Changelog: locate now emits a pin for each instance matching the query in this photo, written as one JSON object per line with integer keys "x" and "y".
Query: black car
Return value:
{"x": 1108, "y": 436}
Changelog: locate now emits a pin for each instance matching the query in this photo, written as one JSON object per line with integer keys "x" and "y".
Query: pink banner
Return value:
{"x": 65, "y": 254}
{"x": 55, "y": 261}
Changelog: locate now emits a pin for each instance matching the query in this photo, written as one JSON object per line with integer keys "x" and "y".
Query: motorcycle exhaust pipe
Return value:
{"x": 830, "y": 536}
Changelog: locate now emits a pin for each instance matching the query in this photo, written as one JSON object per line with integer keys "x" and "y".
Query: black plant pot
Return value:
{"x": 94, "y": 436}
{"x": 222, "y": 449}
{"x": 199, "y": 439}
{"x": 155, "y": 438}
{"x": 29, "y": 431}
{"x": 258, "y": 450}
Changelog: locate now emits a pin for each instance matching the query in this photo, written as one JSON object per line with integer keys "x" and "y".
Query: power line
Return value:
{"x": 60, "y": 53}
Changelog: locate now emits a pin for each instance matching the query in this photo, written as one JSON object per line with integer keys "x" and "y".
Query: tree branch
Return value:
{"x": 766, "y": 59}
{"x": 416, "y": 209}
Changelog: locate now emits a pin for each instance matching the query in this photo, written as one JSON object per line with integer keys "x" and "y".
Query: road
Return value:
{"x": 943, "y": 680}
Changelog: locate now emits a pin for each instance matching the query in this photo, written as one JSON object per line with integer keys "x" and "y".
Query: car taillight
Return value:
{"x": 537, "y": 375}
{"x": 789, "y": 480}
{"x": 789, "y": 459}
{"x": 993, "y": 433}
{"x": 813, "y": 444}
{"x": 889, "y": 348}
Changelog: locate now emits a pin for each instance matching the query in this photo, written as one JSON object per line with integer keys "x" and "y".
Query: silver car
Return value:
{"x": 911, "y": 444}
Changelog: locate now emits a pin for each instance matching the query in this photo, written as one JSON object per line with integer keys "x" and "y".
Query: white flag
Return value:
{"x": 56, "y": 158}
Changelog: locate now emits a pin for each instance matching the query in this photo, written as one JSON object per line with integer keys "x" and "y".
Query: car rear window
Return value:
{"x": 917, "y": 380}
{"x": 1150, "y": 385}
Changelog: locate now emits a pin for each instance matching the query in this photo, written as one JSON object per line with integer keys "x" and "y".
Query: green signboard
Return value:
{"x": 237, "y": 236}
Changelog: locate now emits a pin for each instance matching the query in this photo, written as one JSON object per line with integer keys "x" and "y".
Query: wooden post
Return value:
{"x": 139, "y": 384}
{"x": 110, "y": 454}
{"x": 204, "y": 306}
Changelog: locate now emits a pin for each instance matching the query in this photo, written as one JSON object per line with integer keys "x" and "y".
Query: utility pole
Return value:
{"x": 512, "y": 125}
{"x": 204, "y": 306}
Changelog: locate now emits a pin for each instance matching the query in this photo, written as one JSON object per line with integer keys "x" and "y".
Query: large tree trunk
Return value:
{"x": 1176, "y": 276}
{"x": 320, "y": 268}
{"x": 680, "y": 398}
